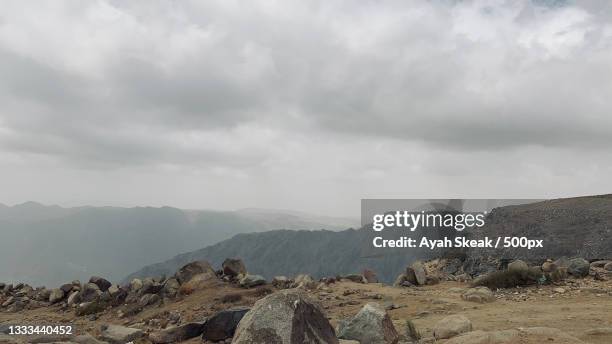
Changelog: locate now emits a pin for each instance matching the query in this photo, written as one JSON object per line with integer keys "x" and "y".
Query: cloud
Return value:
{"x": 257, "y": 89}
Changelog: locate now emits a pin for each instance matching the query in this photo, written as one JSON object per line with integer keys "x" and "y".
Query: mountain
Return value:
{"x": 569, "y": 227}
{"x": 51, "y": 245}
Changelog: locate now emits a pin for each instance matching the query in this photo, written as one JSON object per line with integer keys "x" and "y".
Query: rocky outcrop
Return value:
{"x": 285, "y": 317}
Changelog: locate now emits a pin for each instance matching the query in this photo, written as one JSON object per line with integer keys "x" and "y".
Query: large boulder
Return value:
{"x": 371, "y": 325}
{"x": 90, "y": 292}
{"x": 451, "y": 326}
{"x": 187, "y": 272}
{"x": 197, "y": 282}
{"x": 233, "y": 267}
{"x": 223, "y": 324}
{"x": 136, "y": 284}
{"x": 416, "y": 273}
{"x": 177, "y": 334}
{"x": 285, "y": 317}
{"x": 608, "y": 267}
{"x": 579, "y": 267}
{"x": 115, "y": 334}
{"x": 102, "y": 283}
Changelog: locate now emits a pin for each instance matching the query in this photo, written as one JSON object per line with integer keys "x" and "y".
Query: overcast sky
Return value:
{"x": 306, "y": 105}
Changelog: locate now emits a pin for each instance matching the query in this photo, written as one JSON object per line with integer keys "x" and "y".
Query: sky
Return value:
{"x": 305, "y": 105}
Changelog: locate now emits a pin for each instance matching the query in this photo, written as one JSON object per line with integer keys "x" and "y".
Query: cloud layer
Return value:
{"x": 274, "y": 103}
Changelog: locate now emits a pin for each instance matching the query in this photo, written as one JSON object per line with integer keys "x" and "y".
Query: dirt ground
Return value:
{"x": 575, "y": 307}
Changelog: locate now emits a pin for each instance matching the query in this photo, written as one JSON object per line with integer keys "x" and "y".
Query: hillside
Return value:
{"x": 50, "y": 244}
{"x": 570, "y": 227}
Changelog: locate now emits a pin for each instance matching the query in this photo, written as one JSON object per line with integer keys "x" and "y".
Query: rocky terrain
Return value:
{"x": 570, "y": 227}
{"x": 562, "y": 301}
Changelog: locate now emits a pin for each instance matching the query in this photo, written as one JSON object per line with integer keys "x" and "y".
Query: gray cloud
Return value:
{"x": 264, "y": 91}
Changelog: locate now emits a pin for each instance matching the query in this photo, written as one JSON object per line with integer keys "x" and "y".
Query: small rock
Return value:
{"x": 250, "y": 281}
{"x": 56, "y": 296}
{"x": 177, "y": 334}
{"x": 579, "y": 267}
{"x": 115, "y": 334}
{"x": 479, "y": 294}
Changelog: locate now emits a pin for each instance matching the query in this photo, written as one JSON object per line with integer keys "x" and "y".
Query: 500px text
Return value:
{"x": 459, "y": 242}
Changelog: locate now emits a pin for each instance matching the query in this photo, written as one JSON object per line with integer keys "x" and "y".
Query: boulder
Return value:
{"x": 416, "y": 273}
{"x": 579, "y": 267}
{"x": 187, "y": 272}
{"x": 608, "y": 267}
{"x": 199, "y": 281}
{"x": 102, "y": 284}
{"x": 93, "y": 307}
{"x": 399, "y": 281}
{"x": 90, "y": 292}
{"x": 562, "y": 262}
{"x": 285, "y": 317}
{"x": 250, "y": 281}
{"x": 281, "y": 282}
{"x": 355, "y": 278}
{"x": 519, "y": 266}
{"x": 136, "y": 284}
{"x": 233, "y": 267}
{"x": 370, "y": 276}
{"x": 371, "y": 325}
{"x": 171, "y": 286}
{"x": 73, "y": 298}
{"x": 66, "y": 288}
{"x": 115, "y": 334}
{"x": 56, "y": 296}
{"x": 304, "y": 282}
{"x": 177, "y": 334}
{"x": 451, "y": 326}
{"x": 150, "y": 286}
{"x": 478, "y": 294}
{"x": 148, "y": 299}
{"x": 223, "y": 324}
{"x": 113, "y": 290}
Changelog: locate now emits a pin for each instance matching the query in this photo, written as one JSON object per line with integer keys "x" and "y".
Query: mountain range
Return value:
{"x": 49, "y": 245}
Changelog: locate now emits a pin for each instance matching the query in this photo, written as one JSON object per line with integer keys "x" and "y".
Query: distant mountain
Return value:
{"x": 49, "y": 245}
{"x": 570, "y": 227}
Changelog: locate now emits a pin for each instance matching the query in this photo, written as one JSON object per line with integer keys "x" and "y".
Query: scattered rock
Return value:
{"x": 370, "y": 276}
{"x": 250, "y": 281}
{"x": 451, "y": 326}
{"x": 288, "y": 317}
{"x": 371, "y": 325}
{"x": 56, "y": 296}
{"x": 115, "y": 334}
{"x": 177, "y": 334}
{"x": 478, "y": 294}
{"x": 281, "y": 282}
{"x": 233, "y": 267}
{"x": 102, "y": 284}
{"x": 416, "y": 273}
{"x": 223, "y": 324}
{"x": 136, "y": 284}
{"x": 304, "y": 282}
{"x": 187, "y": 272}
{"x": 579, "y": 267}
